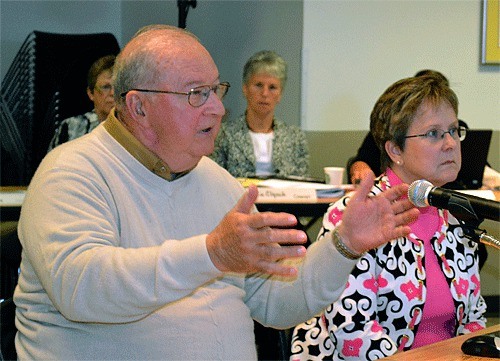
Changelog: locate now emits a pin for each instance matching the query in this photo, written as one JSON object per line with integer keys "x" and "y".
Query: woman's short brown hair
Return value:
{"x": 397, "y": 107}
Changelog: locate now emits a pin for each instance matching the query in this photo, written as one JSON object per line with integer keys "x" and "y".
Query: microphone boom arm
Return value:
{"x": 489, "y": 240}
{"x": 460, "y": 205}
{"x": 464, "y": 207}
{"x": 478, "y": 235}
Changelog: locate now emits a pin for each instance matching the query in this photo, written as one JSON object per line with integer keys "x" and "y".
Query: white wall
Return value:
{"x": 232, "y": 31}
{"x": 353, "y": 50}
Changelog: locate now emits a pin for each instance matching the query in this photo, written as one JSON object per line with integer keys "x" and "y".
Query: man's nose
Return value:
{"x": 216, "y": 103}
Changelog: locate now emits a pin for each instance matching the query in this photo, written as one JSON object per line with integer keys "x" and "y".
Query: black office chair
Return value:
{"x": 10, "y": 252}
{"x": 10, "y": 259}
{"x": 272, "y": 344}
{"x": 45, "y": 84}
{"x": 8, "y": 330}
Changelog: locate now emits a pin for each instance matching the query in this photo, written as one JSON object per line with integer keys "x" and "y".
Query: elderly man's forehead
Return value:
{"x": 167, "y": 47}
{"x": 171, "y": 55}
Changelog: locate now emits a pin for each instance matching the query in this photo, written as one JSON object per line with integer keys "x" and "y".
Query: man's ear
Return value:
{"x": 134, "y": 106}
{"x": 393, "y": 151}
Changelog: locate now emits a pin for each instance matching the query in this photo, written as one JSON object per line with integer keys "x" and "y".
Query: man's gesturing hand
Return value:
{"x": 246, "y": 242}
{"x": 369, "y": 222}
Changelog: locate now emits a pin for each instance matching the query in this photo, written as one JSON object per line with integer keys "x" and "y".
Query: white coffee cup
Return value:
{"x": 334, "y": 175}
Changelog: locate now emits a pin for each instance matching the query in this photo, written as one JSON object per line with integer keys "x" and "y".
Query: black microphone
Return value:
{"x": 463, "y": 206}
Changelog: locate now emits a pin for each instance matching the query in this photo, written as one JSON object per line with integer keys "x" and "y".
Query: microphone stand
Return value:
{"x": 183, "y": 6}
{"x": 472, "y": 232}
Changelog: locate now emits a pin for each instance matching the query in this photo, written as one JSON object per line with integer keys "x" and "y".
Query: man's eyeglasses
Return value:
{"x": 104, "y": 89}
{"x": 435, "y": 135}
{"x": 196, "y": 96}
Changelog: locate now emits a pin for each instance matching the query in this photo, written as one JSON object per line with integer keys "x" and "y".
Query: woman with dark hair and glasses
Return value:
{"x": 368, "y": 156}
{"x": 418, "y": 289}
{"x": 367, "y": 160}
{"x": 257, "y": 143}
{"x": 100, "y": 92}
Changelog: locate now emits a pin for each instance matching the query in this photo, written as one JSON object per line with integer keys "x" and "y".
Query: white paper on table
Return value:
{"x": 12, "y": 198}
{"x": 483, "y": 193}
{"x": 322, "y": 190}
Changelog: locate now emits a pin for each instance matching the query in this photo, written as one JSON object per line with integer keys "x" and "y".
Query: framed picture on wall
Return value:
{"x": 490, "y": 52}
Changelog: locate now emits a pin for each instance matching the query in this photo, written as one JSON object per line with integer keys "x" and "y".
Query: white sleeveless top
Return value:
{"x": 263, "y": 150}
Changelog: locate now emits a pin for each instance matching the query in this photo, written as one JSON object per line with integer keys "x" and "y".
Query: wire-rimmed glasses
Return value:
{"x": 104, "y": 89}
{"x": 435, "y": 135}
{"x": 196, "y": 96}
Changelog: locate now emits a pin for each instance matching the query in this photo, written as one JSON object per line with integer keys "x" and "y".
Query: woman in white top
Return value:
{"x": 258, "y": 144}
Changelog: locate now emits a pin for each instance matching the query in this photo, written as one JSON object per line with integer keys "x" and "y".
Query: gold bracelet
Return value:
{"x": 342, "y": 248}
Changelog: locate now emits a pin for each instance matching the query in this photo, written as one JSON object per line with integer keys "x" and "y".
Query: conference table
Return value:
{"x": 300, "y": 209}
{"x": 314, "y": 210}
{"x": 10, "y": 210}
{"x": 10, "y": 202}
{"x": 448, "y": 350}
{"x": 311, "y": 210}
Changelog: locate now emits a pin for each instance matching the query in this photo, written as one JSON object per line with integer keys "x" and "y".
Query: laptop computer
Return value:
{"x": 475, "y": 149}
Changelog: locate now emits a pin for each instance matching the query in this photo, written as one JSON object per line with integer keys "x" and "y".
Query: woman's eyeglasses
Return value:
{"x": 435, "y": 135}
{"x": 104, "y": 89}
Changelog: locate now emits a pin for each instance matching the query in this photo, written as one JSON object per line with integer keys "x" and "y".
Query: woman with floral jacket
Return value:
{"x": 415, "y": 290}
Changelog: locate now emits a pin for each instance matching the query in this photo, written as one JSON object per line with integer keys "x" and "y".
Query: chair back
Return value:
{"x": 45, "y": 84}
{"x": 8, "y": 330}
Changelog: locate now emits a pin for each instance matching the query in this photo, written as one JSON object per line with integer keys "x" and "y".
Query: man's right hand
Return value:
{"x": 246, "y": 242}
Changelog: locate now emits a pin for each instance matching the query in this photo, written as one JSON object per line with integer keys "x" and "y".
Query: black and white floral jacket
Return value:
{"x": 381, "y": 308}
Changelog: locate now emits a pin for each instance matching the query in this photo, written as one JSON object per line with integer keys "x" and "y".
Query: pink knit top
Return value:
{"x": 438, "y": 319}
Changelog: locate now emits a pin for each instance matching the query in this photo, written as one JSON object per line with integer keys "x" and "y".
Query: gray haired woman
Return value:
{"x": 258, "y": 144}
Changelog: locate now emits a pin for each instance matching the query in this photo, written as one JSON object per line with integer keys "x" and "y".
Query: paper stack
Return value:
{"x": 284, "y": 190}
